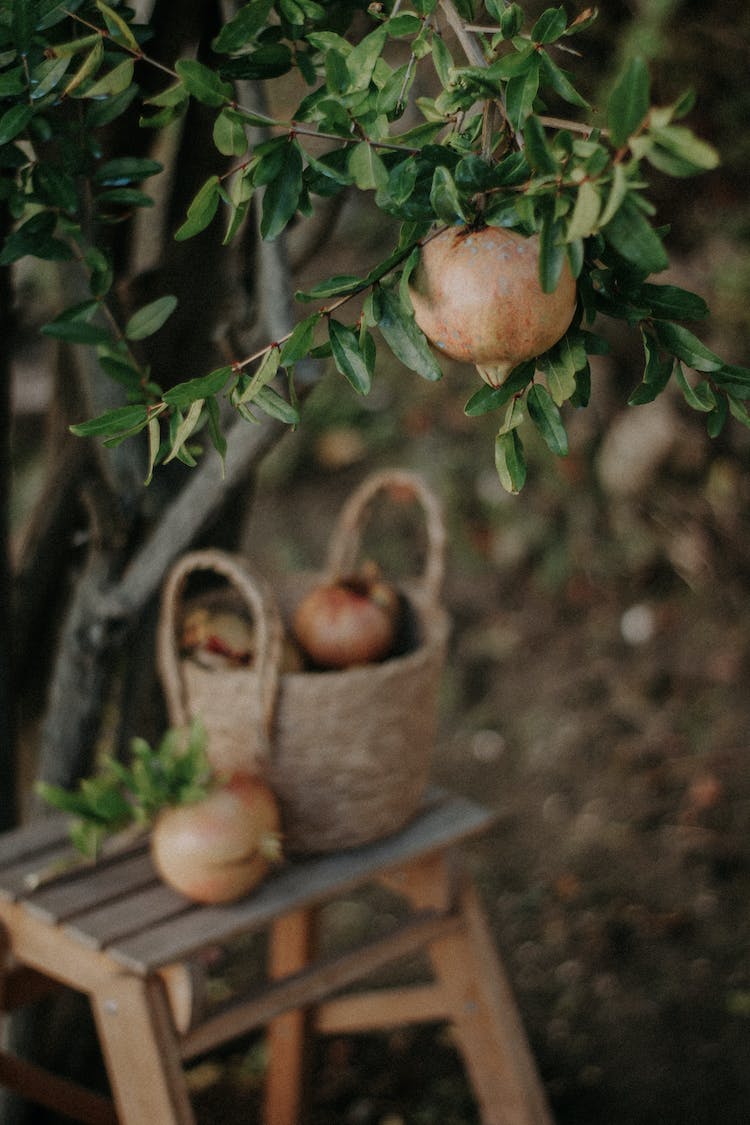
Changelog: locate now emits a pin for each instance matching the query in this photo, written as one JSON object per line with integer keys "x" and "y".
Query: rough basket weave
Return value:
{"x": 347, "y": 752}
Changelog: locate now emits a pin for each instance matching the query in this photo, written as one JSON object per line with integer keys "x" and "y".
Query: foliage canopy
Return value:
{"x": 485, "y": 149}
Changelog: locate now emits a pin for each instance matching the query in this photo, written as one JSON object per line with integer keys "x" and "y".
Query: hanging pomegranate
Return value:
{"x": 477, "y": 297}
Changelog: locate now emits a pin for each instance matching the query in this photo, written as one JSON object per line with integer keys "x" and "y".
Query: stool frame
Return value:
{"x": 116, "y": 933}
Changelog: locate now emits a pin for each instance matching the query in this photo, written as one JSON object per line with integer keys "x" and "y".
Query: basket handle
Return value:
{"x": 346, "y": 537}
{"x": 268, "y": 630}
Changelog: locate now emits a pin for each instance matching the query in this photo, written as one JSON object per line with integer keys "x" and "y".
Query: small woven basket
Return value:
{"x": 348, "y": 752}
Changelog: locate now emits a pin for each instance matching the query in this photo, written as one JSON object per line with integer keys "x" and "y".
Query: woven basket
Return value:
{"x": 347, "y": 752}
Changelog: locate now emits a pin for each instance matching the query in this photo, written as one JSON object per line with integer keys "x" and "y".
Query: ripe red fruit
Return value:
{"x": 351, "y": 621}
{"x": 220, "y": 847}
{"x": 477, "y": 297}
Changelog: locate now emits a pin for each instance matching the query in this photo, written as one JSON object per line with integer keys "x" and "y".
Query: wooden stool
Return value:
{"x": 117, "y": 934}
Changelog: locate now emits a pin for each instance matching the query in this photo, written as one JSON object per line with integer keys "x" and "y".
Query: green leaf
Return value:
{"x": 154, "y": 446}
{"x": 215, "y": 431}
{"x": 126, "y": 170}
{"x": 203, "y": 83}
{"x": 123, "y": 197}
{"x": 76, "y": 332}
{"x": 14, "y": 121}
{"x": 560, "y": 82}
{"x": 261, "y": 377}
{"x": 99, "y": 113}
{"x": 521, "y": 93}
{"x": 13, "y": 82}
{"x": 510, "y": 461}
{"x": 718, "y": 416}
{"x": 281, "y": 196}
{"x": 402, "y": 179}
{"x": 406, "y": 23}
{"x": 204, "y": 386}
{"x": 552, "y": 252}
{"x": 633, "y": 237}
{"x": 123, "y": 370}
{"x": 617, "y": 193}
{"x": 670, "y": 302}
{"x": 444, "y": 197}
{"x": 148, "y": 320}
{"x": 100, "y": 271}
{"x": 118, "y": 29}
{"x": 585, "y": 217}
{"x": 301, "y": 340}
{"x": 547, "y": 418}
{"x": 112, "y": 421}
{"x": 88, "y": 67}
{"x": 656, "y": 375}
{"x": 23, "y": 24}
{"x": 538, "y": 152}
{"x": 201, "y": 211}
{"x": 487, "y": 398}
{"x": 271, "y": 60}
{"x": 75, "y": 46}
{"x": 515, "y": 414}
{"x": 700, "y": 397}
{"x": 511, "y": 20}
{"x": 242, "y": 28}
{"x": 229, "y": 134}
{"x": 559, "y": 371}
{"x": 348, "y": 356}
{"x": 361, "y": 60}
{"x": 35, "y": 237}
{"x": 735, "y": 380}
{"x": 739, "y": 411}
{"x": 550, "y": 26}
{"x": 329, "y": 171}
{"x": 56, "y": 187}
{"x": 686, "y": 347}
{"x": 337, "y": 73}
{"x": 273, "y": 404}
{"x": 46, "y": 77}
{"x": 678, "y": 152}
{"x": 367, "y": 168}
{"x": 114, "y": 82}
{"x": 184, "y": 429}
{"x": 629, "y": 102}
{"x": 339, "y": 286}
{"x": 403, "y": 336}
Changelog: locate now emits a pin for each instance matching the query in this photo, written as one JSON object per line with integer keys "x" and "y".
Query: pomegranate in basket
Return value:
{"x": 349, "y": 621}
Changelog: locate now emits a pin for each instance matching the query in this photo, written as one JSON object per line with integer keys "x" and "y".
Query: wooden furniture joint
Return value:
{"x": 116, "y": 933}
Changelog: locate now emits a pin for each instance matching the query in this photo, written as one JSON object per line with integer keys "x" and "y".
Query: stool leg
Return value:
{"x": 291, "y": 949}
{"x": 141, "y": 1051}
{"x": 487, "y": 1024}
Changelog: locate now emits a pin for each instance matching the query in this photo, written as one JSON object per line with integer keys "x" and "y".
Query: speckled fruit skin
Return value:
{"x": 217, "y": 849}
{"x": 477, "y": 297}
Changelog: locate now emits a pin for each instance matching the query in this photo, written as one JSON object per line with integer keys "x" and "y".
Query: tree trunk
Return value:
{"x": 8, "y": 773}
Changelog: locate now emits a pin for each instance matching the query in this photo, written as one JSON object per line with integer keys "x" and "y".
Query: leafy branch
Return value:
{"x": 484, "y": 151}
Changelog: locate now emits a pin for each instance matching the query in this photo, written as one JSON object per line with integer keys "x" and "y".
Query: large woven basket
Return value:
{"x": 347, "y": 752}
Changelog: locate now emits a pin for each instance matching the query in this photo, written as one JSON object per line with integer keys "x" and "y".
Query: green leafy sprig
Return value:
{"x": 129, "y": 796}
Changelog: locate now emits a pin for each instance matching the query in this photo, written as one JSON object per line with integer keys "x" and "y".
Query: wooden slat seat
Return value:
{"x": 115, "y": 932}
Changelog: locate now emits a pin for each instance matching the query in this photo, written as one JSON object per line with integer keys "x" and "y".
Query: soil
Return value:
{"x": 595, "y": 699}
